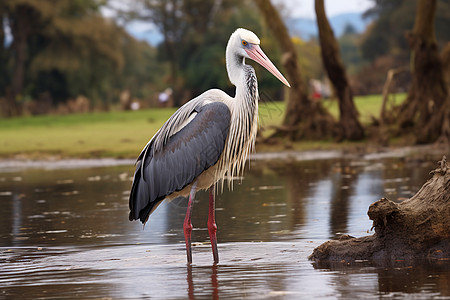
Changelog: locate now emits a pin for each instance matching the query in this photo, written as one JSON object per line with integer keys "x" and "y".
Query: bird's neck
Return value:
{"x": 243, "y": 77}
{"x": 243, "y": 127}
{"x": 235, "y": 64}
{"x": 247, "y": 89}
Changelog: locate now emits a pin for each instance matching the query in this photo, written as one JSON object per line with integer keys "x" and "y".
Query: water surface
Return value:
{"x": 64, "y": 233}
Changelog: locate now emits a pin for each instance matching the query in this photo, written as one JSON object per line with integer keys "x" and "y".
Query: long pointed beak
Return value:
{"x": 255, "y": 52}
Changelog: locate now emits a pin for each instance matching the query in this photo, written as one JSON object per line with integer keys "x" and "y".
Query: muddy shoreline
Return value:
{"x": 56, "y": 162}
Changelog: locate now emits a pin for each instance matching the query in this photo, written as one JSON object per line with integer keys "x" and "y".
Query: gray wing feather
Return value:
{"x": 168, "y": 163}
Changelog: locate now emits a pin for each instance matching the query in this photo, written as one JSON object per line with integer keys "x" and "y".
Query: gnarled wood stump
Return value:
{"x": 417, "y": 228}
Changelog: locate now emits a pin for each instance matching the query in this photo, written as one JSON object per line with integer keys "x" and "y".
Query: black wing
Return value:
{"x": 185, "y": 155}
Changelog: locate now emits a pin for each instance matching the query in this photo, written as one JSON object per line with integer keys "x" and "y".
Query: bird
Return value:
{"x": 206, "y": 141}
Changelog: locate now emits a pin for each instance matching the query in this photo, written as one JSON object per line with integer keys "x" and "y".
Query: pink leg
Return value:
{"x": 212, "y": 227}
{"x": 187, "y": 225}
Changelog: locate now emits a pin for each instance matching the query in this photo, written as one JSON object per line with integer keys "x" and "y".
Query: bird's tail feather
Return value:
{"x": 140, "y": 206}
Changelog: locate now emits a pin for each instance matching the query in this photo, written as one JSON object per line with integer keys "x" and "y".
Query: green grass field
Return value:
{"x": 112, "y": 134}
{"x": 121, "y": 134}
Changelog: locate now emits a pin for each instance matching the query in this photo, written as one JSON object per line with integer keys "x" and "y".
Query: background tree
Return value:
{"x": 304, "y": 118}
{"x": 384, "y": 46}
{"x": 426, "y": 110}
{"x": 350, "y": 51}
{"x": 168, "y": 16}
{"x": 64, "y": 49}
{"x": 390, "y": 20}
{"x": 195, "y": 36}
{"x": 309, "y": 61}
{"x": 21, "y": 17}
{"x": 43, "y": 32}
{"x": 350, "y": 128}
{"x": 386, "y": 35}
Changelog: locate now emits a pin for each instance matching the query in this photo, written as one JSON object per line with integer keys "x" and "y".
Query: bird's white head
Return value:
{"x": 245, "y": 44}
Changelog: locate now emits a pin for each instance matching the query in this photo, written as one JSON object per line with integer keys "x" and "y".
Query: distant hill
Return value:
{"x": 303, "y": 27}
{"x": 307, "y": 28}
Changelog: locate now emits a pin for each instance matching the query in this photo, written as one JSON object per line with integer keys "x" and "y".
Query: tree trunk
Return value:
{"x": 20, "y": 46}
{"x": 445, "y": 57}
{"x": 20, "y": 20}
{"x": 350, "y": 128}
{"x": 417, "y": 228}
{"x": 304, "y": 118}
{"x": 4, "y": 80}
{"x": 169, "y": 44}
{"x": 2, "y": 44}
{"x": 426, "y": 109}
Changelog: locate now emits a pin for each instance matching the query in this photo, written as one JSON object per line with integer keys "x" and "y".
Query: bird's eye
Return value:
{"x": 244, "y": 43}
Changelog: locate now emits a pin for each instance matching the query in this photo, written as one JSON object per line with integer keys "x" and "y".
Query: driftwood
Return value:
{"x": 417, "y": 228}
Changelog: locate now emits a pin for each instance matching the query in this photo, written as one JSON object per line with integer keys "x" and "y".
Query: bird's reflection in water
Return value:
{"x": 214, "y": 282}
{"x": 190, "y": 281}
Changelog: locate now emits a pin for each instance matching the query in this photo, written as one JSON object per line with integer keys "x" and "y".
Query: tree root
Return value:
{"x": 417, "y": 228}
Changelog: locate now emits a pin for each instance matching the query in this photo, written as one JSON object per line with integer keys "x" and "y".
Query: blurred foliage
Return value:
{"x": 309, "y": 59}
{"x": 350, "y": 50}
{"x": 71, "y": 50}
{"x": 393, "y": 18}
{"x": 52, "y": 51}
{"x": 384, "y": 45}
{"x": 63, "y": 49}
{"x": 195, "y": 37}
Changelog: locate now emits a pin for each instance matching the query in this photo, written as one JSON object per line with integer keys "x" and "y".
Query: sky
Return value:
{"x": 305, "y": 8}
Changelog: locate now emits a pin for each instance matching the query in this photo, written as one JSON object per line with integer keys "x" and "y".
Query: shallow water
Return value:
{"x": 64, "y": 233}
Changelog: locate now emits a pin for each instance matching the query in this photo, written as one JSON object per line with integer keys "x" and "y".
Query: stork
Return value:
{"x": 204, "y": 142}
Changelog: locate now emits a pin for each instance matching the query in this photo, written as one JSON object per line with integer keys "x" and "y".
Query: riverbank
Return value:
{"x": 56, "y": 162}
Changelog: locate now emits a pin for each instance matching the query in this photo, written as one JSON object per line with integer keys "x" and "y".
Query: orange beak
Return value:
{"x": 256, "y": 53}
